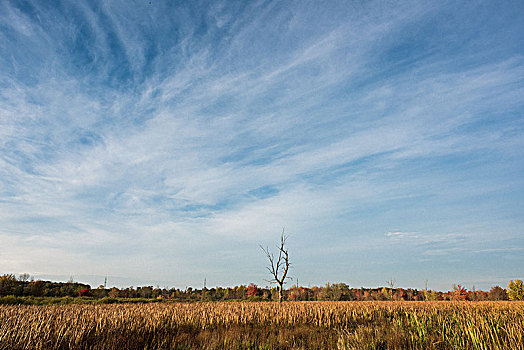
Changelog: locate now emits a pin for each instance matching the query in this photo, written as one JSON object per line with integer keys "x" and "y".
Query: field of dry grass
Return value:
{"x": 242, "y": 325}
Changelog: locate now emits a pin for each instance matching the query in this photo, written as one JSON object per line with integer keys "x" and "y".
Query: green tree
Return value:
{"x": 341, "y": 291}
{"x": 326, "y": 293}
{"x": 515, "y": 290}
{"x": 8, "y": 284}
{"x": 37, "y": 288}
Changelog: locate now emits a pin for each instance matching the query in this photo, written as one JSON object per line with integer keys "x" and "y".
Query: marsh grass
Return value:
{"x": 291, "y": 325}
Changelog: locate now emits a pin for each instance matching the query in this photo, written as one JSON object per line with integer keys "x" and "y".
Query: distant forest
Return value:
{"x": 24, "y": 287}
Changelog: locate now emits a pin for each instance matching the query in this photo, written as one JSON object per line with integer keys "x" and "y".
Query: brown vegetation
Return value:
{"x": 292, "y": 325}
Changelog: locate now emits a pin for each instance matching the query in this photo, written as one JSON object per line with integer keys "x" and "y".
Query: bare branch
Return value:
{"x": 278, "y": 268}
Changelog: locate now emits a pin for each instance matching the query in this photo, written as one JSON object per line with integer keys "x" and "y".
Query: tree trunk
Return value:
{"x": 280, "y": 293}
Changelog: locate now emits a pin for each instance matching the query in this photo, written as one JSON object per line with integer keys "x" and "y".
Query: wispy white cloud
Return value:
{"x": 137, "y": 130}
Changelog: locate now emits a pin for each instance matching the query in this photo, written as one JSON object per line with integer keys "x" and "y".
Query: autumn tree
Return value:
{"x": 497, "y": 293}
{"x": 459, "y": 292}
{"x": 278, "y": 268}
{"x": 515, "y": 290}
{"x": 252, "y": 290}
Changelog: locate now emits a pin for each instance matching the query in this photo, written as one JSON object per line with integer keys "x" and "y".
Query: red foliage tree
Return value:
{"x": 84, "y": 292}
{"x": 252, "y": 290}
{"x": 460, "y": 293}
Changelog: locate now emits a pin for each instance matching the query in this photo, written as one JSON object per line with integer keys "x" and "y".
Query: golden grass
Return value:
{"x": 291, "y": 325}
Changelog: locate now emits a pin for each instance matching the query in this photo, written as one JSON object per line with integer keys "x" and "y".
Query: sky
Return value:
{"x": 162, "y": 143}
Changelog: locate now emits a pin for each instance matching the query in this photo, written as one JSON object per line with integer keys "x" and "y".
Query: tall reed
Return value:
{"x": 346, "y": 325}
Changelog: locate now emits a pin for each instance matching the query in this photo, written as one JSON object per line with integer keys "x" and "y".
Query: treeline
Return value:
{"x": 23, "y": 287}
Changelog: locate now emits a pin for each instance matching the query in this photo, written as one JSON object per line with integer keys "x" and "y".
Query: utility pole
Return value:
{"x": 391, "y": 284}
{"x": 105, "y": 282}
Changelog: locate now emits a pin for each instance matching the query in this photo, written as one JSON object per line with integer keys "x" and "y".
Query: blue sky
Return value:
{"x": 162, "y": 143}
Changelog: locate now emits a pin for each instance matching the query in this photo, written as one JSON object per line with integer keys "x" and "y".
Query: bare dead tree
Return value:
{"x": 278, "y": 268}
{"x": 391, "y": 284}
